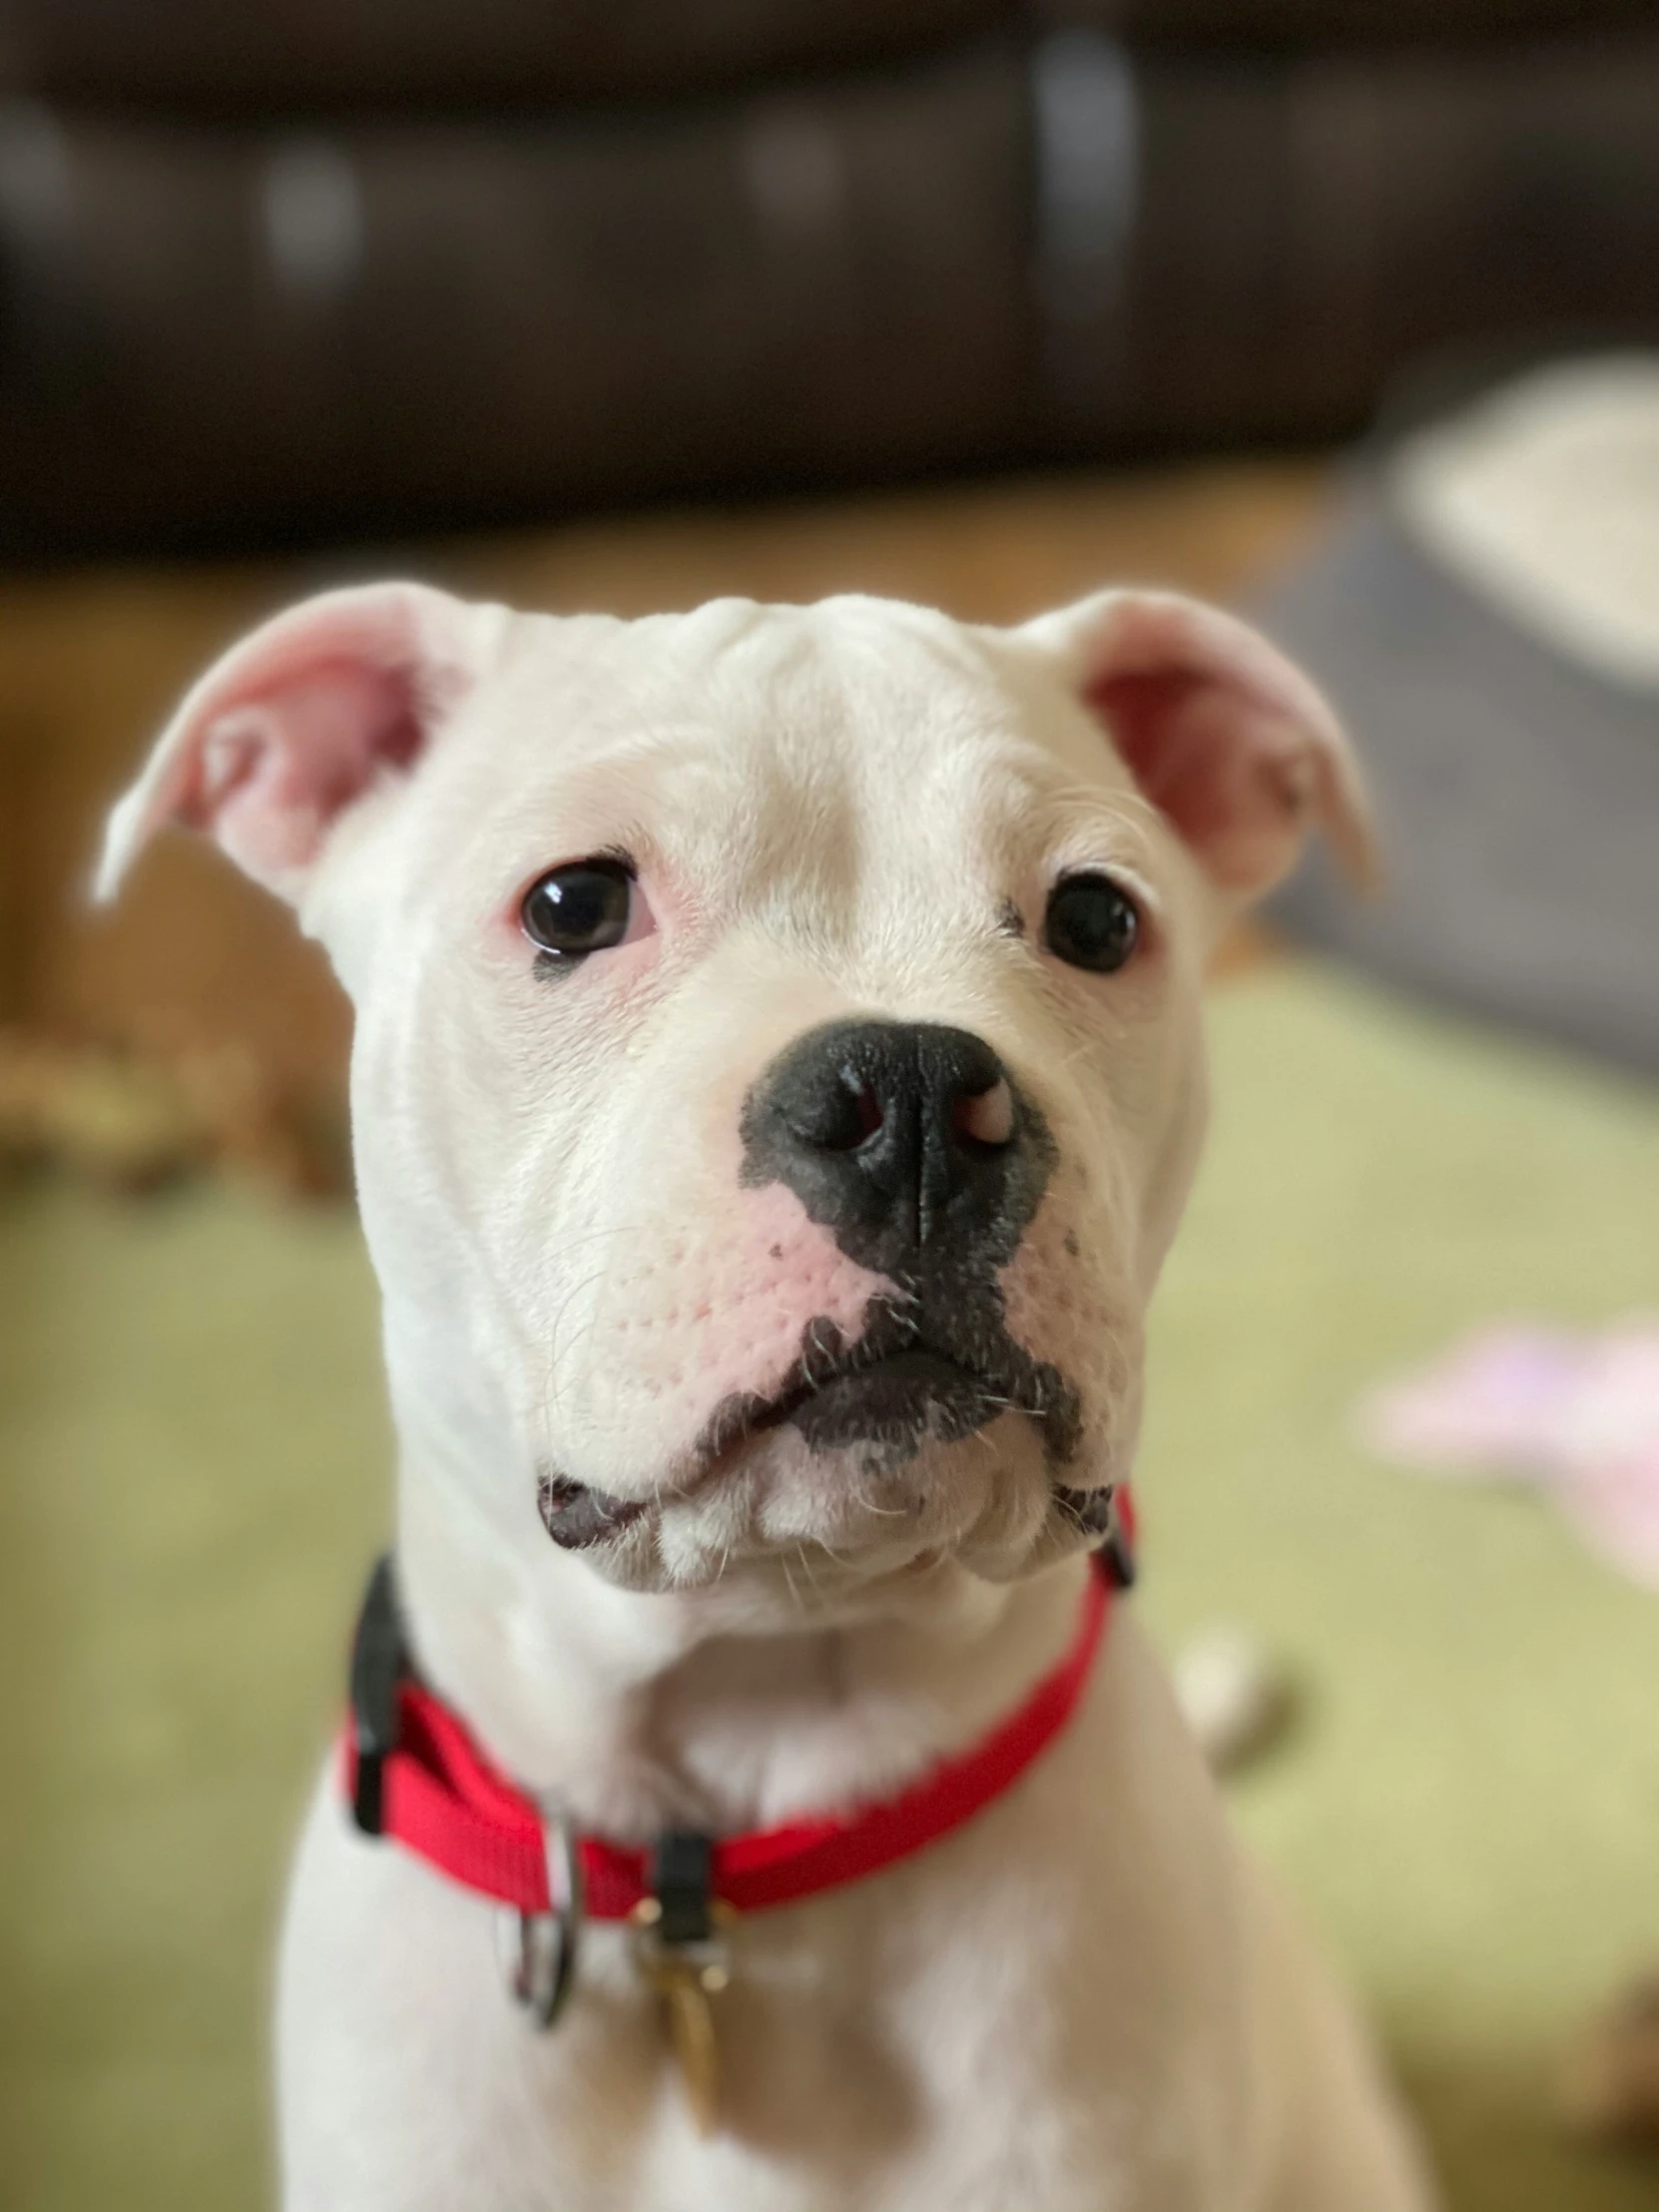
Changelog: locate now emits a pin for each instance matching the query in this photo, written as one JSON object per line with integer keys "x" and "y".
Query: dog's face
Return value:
{"x": 777, "y": 1069}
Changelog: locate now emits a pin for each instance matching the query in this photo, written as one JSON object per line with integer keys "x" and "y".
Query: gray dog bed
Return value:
{"x": 1486, "y": 619}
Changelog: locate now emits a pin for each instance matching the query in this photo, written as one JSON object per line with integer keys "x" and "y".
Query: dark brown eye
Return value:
{"x": 582, "y": 907}
{"x": 1091, "y": 924}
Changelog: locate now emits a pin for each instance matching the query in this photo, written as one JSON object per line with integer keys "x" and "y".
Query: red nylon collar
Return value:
{"x": 440, "y": 1798}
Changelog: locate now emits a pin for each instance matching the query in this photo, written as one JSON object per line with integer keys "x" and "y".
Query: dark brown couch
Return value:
{"x": 293, "y": 269}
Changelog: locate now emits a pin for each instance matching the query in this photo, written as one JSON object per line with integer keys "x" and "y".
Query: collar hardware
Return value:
{"x": 380, "y": 1662}
{"x": 682, "y": 1886}
{"x": 681, "y": 1950}
{"x": 541, "y": 1948}
{"x": 1117, "y": 1548}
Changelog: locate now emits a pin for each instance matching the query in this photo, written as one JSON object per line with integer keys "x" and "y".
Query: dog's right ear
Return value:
{"x": 1228, "y": 739}
{"x": 301, "y": 721}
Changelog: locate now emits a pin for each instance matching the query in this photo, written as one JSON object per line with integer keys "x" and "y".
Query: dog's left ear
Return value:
{"x": 1226, "y": 737}
{"x": 295, "y": 726}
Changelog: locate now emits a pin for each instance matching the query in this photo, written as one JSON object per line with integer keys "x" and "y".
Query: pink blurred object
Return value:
{"x": 1576, "y": 1415}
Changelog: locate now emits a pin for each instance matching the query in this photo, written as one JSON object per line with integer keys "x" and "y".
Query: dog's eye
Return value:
{"x": 584, "y": 906}
{"x": 1092, "y": 922}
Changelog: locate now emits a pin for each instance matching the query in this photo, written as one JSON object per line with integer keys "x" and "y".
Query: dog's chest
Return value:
{"x": 854, "y": 2069}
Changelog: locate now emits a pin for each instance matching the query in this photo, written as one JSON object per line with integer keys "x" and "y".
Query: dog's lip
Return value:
{"x": 576, "y": 1515}
{"x": 911, "y": 1360}
{"x": 915, "y": 1363}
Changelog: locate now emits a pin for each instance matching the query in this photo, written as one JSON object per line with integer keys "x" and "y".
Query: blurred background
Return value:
{"x": 1346, "y": 312}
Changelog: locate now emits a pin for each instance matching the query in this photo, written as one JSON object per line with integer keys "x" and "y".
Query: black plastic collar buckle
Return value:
{"x": 679, "y": 1925}
{"x": 1116, "y": 1551}
{"x": 682, "y": 1877}
{"x": 379, "y": 1663}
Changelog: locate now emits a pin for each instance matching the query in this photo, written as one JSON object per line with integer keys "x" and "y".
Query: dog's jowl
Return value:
{"x": 776, "y": 1080}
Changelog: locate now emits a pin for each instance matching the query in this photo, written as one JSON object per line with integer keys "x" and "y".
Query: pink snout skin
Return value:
{"x": 704, "y": 1320}
{"x": 798, "y": 1275}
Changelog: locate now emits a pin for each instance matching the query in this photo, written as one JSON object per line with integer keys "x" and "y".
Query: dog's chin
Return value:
{"x": 850, "y": 1513}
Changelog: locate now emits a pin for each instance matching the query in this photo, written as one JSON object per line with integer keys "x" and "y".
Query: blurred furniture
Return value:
{"x": 1485, "y": 614}
{"x": 294, "y": 268}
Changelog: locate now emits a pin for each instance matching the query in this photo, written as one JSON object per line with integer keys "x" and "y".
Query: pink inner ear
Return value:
{"x": 1171, "y": 747}
{"x": 1215, "y": 762}
{"x": 271, "y": 772}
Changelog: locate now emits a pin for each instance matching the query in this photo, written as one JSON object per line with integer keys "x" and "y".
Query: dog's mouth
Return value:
{"x": 901, "y": 1383}
{"x": 899, "y": 1386}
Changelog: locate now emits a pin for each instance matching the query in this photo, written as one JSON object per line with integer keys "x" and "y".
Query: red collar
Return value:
{"x": 413, "y": 1773}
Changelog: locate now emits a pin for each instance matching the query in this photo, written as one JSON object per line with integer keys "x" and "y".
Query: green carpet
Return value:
{"x": 193, "y": 1460}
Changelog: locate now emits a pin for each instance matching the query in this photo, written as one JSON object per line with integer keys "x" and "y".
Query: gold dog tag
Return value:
{"x": 686, "y": 1990}
{"x": 686, "y": 1978}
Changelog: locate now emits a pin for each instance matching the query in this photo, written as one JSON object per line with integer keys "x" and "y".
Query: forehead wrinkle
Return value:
{"x": 1117, "y": 829}
{"x": 619, "y": 801}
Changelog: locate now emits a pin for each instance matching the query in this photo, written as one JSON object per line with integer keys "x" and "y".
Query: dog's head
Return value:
{"x": 777, "y": 1069}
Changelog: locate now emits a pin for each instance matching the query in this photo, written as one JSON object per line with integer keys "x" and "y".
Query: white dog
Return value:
{"x": 777, "y": 1078}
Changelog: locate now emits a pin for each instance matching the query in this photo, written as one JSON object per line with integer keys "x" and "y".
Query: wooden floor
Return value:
{"x": 90, "y": 663}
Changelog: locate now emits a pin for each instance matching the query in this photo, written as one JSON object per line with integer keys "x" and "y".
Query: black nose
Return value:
{"x": 905, "y": 1138}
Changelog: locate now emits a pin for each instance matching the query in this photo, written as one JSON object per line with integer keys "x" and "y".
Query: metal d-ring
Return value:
{"x": 541, "y": 1962}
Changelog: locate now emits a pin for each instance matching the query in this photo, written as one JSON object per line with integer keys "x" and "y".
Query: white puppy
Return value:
{"x": 777, "y": 1078}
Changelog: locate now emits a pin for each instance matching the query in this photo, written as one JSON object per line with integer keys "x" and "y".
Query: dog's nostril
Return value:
{"x": 986, "y": 1117}
{"x": 867, "y": 1104}
{"x": 839, "y": 1117}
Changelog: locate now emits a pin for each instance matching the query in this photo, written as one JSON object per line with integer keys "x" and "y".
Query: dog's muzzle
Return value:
{"x": 918, "y": 1153}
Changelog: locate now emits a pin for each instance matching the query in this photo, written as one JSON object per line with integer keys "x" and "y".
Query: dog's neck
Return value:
{"x": 632, "y": 1713}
